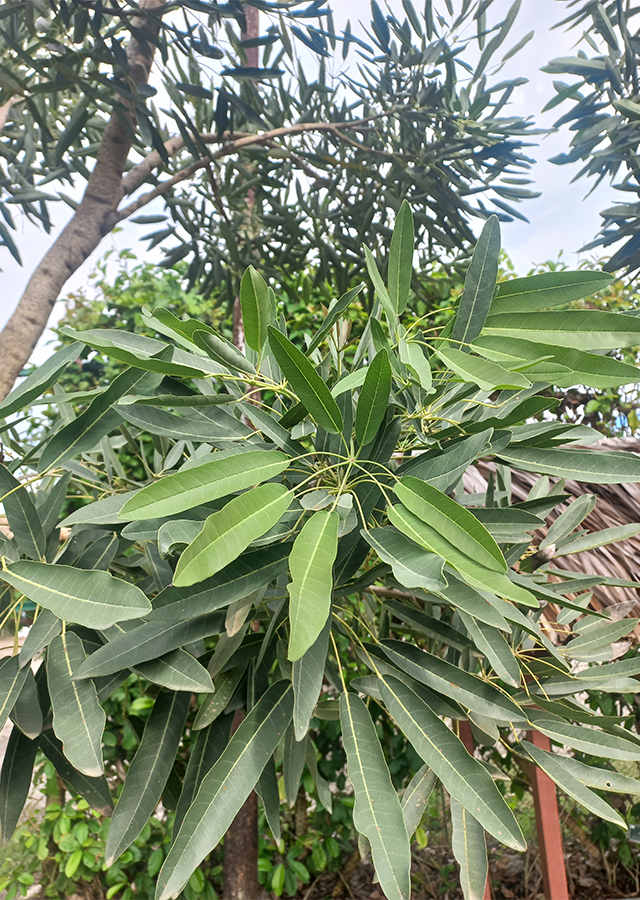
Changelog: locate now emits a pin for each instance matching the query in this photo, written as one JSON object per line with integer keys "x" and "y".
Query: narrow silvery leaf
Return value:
{"x": 479, "y": 285}
{"x": 377, "y": 813}
{"x": 78, "y": 718}
{"x": 148, "y": 772}
{"x": 226, "y": 787}
{"x": 311, "y": 561}
{"x": 470, "y": 850}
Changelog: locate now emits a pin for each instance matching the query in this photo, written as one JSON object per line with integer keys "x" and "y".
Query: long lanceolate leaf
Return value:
{"x": 78, "y": 718}
{"x": 377, "y": 813}
{"x": 15, "y": 780}
{"x": 547, "y": 290}
{"x": 413, "y": 566}
{"x": 401, "y": 258}
{"x": 470, "y": 850}
{"x": 204, "y": 483}
{"x": 464, "y": 777}
{"x": 95, "y": 599}
{"x": 416, "y": 797}
{"x": 204, "y": 753}
{"x": 254, "y": 300}
{"x": 39, "y": 380}
{"x": 94, "y": 790}
{"x": 306, "y": 677}
{"x": 374, "y": 398}
{"x": 12, "y": 679}
{"x": 148, "y": 772}
{"x": 306, "y": 382}
{"x": 226, "y": 787}
{"x": 22, "y": 515}
{"x": 580, "y": 465}
{"x": 311, "y": 563}
{"x": 230, "y": 531}
{"x": 479, "y": 285}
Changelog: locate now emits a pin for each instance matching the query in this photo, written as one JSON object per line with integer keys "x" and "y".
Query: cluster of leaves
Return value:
{"x": 323, "y": 553}
{"x": 428, "y": 132}
{"x": 605, "y": 116}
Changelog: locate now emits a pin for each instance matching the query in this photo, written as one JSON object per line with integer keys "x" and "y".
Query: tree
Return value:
{"x": 605, "y": 116}
{"x": 338, "y": 525}
{"x": 326, "y": 153}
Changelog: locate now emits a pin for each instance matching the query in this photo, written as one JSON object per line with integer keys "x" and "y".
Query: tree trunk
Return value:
{"x": 241, "y": 847}
{"x": 95, "y": 217}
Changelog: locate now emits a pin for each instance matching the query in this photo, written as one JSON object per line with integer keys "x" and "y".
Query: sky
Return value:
{"x": 562, "y": 219}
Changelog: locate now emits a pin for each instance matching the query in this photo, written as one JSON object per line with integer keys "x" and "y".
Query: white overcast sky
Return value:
{"x": 560, "y": 220}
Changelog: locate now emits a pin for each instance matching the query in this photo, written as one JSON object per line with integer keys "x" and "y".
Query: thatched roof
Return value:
{"x": 617, "y": 504}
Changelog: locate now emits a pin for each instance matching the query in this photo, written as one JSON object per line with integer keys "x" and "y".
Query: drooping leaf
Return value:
{"x": 588, "y": 740}
{"x": 15, "y": 780}
{"x": 306, "y": 677}
{"x": 464, "y": 777}
{"x": 470, "y": 850}
{"x": 256, "y": 309}
{"x": 78, "y": 718}
{"x": 12, "y": 679}
{"x": 94, "y": 790}
{"x": 226, "y": 787}
{"x": 230, "y": 531}
{"x": 148, "y": 772}
{"x": 223, "y": 352}
{"x": 465, "y": 598}
{"x": 203, "y": 755}
{"x": 214, "y": 704}
{"x": 413, "y": 566}
{"x": 374, "y": 398}
{"x": 213, "y": 424}
{"x": 437, "y": 629}
{"x": 293, "y": 759}
{"x": 479, "y": 285}
{"x": 401, "y": 259}
{"x": 416, "y": 796}
{"x": 268, "y": 790}
{"x": 492, "y": 643}
{"x": 43, "y": 630}
{"x": 39, "y": 380}
{"x": 26, "y": 713}
{"x": 377, "y": 813}
{"x": 598, "y": 467}
{"x": 455, "y": 523}
{"x": 204, "y": 483}
{"x": 177, "y": 671}
{"x": 22, "y": 516}
{"x": 593, "y": 776}
{"x": 95, "y": 599}
{"x": 306, "y": 382}
{"x": 311, "y": 562}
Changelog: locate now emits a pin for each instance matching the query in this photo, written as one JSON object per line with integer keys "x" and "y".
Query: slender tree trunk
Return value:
{"x": 95, "y": 216}
{"x": 241, "y": 847}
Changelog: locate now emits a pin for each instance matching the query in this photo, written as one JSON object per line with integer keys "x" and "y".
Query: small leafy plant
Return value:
{"x": 302, "y": 547}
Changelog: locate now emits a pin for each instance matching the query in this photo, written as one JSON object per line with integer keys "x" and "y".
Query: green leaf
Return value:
{"x": 455, "y": 523}
{"x": 416, "y": 797}
{"x": 471, "y": 691}
{"x": 203, "y": 755}
{"x": 588, "y": 329}
{"x": 45, "y": 627}
{"x": 12, "y": 680}
{"x": 598, "y": 637}
{"x": 148, "y": 773}
{"x": 293, "y": 759}
{"x": 269, "y": 426}
{"x": 335, "y": 311}
{"x": 592, "y": 776}
{"x": 588, "y": 740}
{"x": 268, "y": 790}
{"x": 92, "y": 598}
{"x": 412, "y": 356}
{"x": 22, "y": 515}
{"x": 307, "y": 674}
{"x": 465, "y": 598}
{"x": 177, "y": 671}
{"x": 256, "y": 309}
{"x": 202, "y": 484}
{"x": 78, "y": 718}
{"x": 573, "y": 515}
{"x": 479, "y": 284}
{"x": 230, "y": 531}
{"x": 437, "y": 629}
{"x": 380, "y": 289}
{"x": 214, "y": 704}
{"x": 487, "y": 375}
{"x": 226, "y": 787}
{"x": 42, "y": 377}
{"x": 374, "y": 398}
{"x": 444, "y": 470}
{"x": 470, "y": 850}
{"x": 148, "y": 641}
{"x": 15, "y": 780}
{"x": 377, "y": 813}
{"x": 213, "y": 424}
{"x": 250, "y": 572}
{"x": 598, "y": 467}
{"x": 491, "y": 642}
{"x": 26, "y": 713}
{"x": 508, "y": 525}
{"x": 401, "y": 259}
{"x": 311, "y": 563}
{"x": 310, "y": 388}
{"x": 94, "y": 790}
{"x": 599, "y": 539}
{"x": 92, "y": 425}
{"x": 223, "y": 351}
{"x": 547, "y": 290}
{"x": 464, "y": 777}
{"x": 550, "y": 764}
{"x": 413, "y": 566}
{"x": 322, "y": 785}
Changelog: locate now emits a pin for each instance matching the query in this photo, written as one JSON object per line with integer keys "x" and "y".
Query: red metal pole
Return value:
{"x": 464, "y": 732}
{"x": 545, "y": 800}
